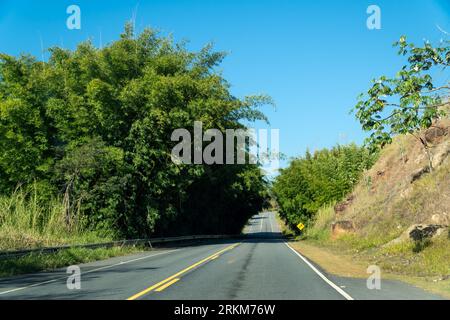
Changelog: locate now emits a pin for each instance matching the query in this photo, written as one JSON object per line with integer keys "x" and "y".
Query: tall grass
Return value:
{"x": 29, "y": 219}
{"x": 36, "y": 262}
{"x": 26, "y": 221}
{"x": 320, "y": 229}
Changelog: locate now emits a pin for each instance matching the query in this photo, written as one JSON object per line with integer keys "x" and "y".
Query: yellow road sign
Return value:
{"x": 301, "y": 226}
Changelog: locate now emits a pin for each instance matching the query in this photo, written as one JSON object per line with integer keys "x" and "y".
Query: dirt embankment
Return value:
{"x": 398, "y": 216}
{"x": 402, "y": 190}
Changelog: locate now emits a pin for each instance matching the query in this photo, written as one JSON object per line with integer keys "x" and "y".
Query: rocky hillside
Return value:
{"x": 402, "y": 196}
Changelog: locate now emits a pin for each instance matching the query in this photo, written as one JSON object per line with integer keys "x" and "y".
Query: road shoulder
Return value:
{"x": 342, "y": 265}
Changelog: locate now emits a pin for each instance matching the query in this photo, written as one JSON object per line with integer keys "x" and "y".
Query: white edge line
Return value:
{"x": 320, "y": 274}
{"x": 253, "y": 225}
{"x": 90, "y": 271}
{"x": 270, "y": 222}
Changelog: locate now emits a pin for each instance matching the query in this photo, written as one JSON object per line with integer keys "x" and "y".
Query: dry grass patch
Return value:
{"x": 341, "y": 265}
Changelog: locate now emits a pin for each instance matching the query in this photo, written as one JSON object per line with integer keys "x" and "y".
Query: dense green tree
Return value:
{"x": 318, "y": 179}
{"x": 411, "y": 100}
{"x": 94, "y": 125}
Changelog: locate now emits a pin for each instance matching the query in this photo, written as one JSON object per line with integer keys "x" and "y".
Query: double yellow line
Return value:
{"x": 160, "y": 286}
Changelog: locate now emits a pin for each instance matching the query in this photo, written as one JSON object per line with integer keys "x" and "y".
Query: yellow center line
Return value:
{"x": 178, "y": 274}
{"x": 168, "y": 284}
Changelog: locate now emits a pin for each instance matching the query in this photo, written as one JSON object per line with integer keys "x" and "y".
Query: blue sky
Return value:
{"x": 312, "y": 57}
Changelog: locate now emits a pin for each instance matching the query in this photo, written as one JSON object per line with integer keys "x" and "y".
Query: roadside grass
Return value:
{"x": 42, "y": 262}
{"x": 320, "y": 233}
{"x": 429, "y": 260}
{"x": 341, "y": 264}
{"x": 424, "y": 264}
{"x": 285, "y": 230}
{"x": 346, "y": 264}
{"x": 360, "y": 243}
{"x": 320, "y": 229}
{"x": 26, "y": 221}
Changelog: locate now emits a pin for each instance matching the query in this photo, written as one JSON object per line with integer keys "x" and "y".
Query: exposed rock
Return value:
{"x": 420, "y": 232}
{"x": 416, "y": 175}
{"x": 441, "y": 153}
{"x": 434, "y": 134}
{"x": 342, "y": 206}
{"x": 340, "y": 228}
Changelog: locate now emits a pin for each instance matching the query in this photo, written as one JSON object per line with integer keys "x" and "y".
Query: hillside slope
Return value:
{"x": 399, "y": 190}
{"x": 398, "y": 216}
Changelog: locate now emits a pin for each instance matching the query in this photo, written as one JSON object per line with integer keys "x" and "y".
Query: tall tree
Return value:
{"x": 95, "y": 126}
{"x": 411, "y": 100}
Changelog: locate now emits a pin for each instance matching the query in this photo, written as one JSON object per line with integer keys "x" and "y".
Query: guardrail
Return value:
{"x": 121, "y": 243}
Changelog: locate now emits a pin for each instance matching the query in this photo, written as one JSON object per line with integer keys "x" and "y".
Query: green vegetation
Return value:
{"x": 318, "y": 179}
{"x": 27, "y": 222}
{"x": 431, "y": 260}
{"x": 411, "y": 100}
{"x": 286, "y": 231}
{"x": 384, "y": 211}
{"x": 85, "y": 144}
{"x": 320, "y": 230}
{"x": 386, "y": 199}
{"x": 37, "y": 262}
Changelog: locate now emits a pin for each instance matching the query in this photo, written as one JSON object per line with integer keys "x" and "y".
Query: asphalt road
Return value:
{"x": 261, "y": 267}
